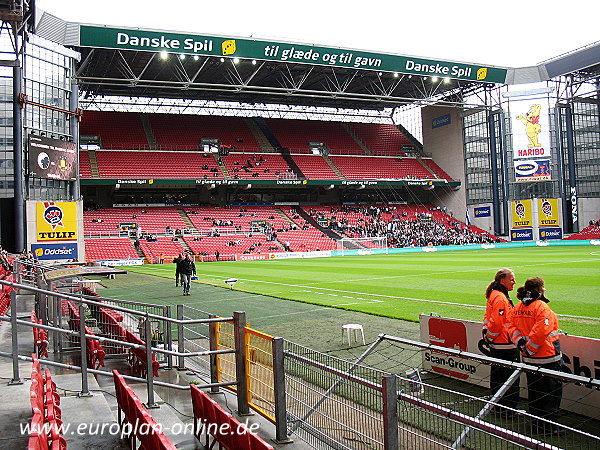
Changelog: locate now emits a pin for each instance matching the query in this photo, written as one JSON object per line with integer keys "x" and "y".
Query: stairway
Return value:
{"x": 427, "y": 168}
{"x": 285, "y": 153}
{"x": 93, "y": 164}
{"x": 138, "y": 250}
{"x": 224, "y": 170}
{"x": 186, "y": 219}
{"x": 333, "y": 167}
{"x": 149, "y": 133}
{"x": 260, "y": 137}
{"x": 351, "y": 132}
{"x": 261, "y": 125}
{"x": 333, "y": 235}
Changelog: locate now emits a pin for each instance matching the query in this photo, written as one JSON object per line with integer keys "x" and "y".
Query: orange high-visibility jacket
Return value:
{"x": 535, "y": 322}
{"x": 497, "y": 310}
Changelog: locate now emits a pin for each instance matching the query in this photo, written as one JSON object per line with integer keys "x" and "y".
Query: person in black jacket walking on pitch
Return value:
{"x": 187, "y": 268}
{"x": 177, "y": 262}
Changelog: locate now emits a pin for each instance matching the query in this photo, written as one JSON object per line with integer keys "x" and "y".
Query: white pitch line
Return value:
{"x": 393, "y": 296}
{"x": 346, "y": 304}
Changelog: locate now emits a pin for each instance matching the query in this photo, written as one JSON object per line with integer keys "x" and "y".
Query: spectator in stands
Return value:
{"x": 534, "y": 328}
{"x": 177, "y": 260}
{"x": 495, "y": 335}
{"x": 4, "y": 261}
{"x": 217, "y": 254}
{"x": 187, "y": 268}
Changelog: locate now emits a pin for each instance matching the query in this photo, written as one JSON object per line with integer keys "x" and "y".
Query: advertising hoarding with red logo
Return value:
{"x": 580, "y": 355}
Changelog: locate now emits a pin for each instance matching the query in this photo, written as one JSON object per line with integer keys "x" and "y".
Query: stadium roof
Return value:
{"x": 131, "y": 62}
{"x": 146, "y": 63}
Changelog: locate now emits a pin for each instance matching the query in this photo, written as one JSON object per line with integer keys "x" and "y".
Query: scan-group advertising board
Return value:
{"x": 580, "y": 355}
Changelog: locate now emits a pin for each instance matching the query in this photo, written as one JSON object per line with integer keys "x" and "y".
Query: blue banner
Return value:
{"x": 483, "y": 211}
{"x": 441, "y": 121}
{"x": 550, "y": 233}
{"x": 521, "y": 234}
{"x": 54, "y": 251}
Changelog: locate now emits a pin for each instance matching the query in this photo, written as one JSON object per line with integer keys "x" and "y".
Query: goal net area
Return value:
{"x": 363, "y": 245}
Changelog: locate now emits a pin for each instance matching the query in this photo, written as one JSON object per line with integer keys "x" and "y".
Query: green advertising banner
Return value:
{"x": 192, "y": 44}
{"x": 244, "y": 182}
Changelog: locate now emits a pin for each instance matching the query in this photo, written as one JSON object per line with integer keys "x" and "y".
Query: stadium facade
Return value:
{"x": 503, "y": 134}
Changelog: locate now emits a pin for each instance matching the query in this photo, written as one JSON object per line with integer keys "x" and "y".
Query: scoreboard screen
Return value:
{"x": 52, "y": 158}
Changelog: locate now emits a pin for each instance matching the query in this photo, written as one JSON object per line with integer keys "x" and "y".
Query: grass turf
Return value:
{"x": 402, "y": 286}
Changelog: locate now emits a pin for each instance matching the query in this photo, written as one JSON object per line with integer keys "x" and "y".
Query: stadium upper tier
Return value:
{"x": 163, "y": 146}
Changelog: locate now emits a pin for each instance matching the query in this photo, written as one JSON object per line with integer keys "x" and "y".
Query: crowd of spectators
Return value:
{"x": 401, "y": 229}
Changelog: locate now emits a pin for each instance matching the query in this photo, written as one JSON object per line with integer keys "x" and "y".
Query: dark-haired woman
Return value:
{"x": 495, "y": 333}
{"x": 534, "y": 327}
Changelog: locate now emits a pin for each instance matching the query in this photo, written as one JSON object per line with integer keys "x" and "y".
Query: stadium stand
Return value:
{"x": 151, "y": 220}
{"x": 85, "y": 170}
{"x": 306, "y": 240}
{"x": 184, "y": 132}
{"x": 314, "y": 167}
{"x": 380, "y": 167}
{"x": 113, "y": 248}
{"x": 117, "y": 130}
{"x": 296, "y": 134}
{"x": 231, "y": 244}
{"x": 381, "y": 139}
{"x": 251, "y": 165}
{"x": 162, "y": 249}
{"x": 151, "y": 165}
{"x": 236, "y": 218}
{"x": 592, "y": 231}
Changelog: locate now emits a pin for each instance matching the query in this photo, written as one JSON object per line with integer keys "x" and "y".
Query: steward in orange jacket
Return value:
{"x": 495, "y": 336}
{"x": 534, "y": 327}
{"x": 497, "y": 310}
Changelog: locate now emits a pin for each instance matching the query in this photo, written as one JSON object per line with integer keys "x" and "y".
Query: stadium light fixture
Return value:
{"x": 447, "y": 80}
{"x": 222, "y": 59}
{"x": 396, "y": 75}
{"x": 182, "y": 56}
{"x": 253, "y": 62}
{"x": 196, "y": 57}
{"x": 434, "y": 79}
{"x": 164, "y": 55}
{"x": 236, "y": 60}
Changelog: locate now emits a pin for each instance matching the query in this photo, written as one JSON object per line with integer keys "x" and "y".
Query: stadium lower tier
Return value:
{"x": 161, "y": 233}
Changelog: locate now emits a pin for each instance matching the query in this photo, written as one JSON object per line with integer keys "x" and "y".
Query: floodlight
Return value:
{"x": 236, "y": 60}
{"x": 230, "y": 282}
{"x": 164, "y": 55}
{"x": 434, "y": 79}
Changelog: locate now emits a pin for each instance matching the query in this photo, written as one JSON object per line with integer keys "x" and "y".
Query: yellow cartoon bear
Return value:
{"x": 531, "y": 121}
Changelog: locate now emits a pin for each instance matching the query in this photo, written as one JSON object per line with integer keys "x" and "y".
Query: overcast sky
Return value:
{"x": 511, "y": 33}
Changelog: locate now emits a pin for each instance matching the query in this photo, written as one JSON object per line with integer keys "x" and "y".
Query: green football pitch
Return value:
{"x": 402, "y": 286}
